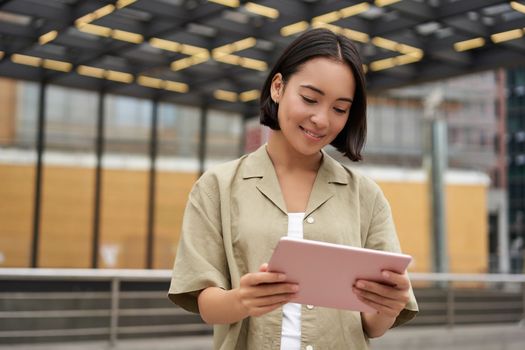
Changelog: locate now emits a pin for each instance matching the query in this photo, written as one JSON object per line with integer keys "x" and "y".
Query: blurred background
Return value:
{"x": 110, "y": 110}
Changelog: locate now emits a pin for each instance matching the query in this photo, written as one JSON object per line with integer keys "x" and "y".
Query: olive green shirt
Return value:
{"x": 234, "y": 218}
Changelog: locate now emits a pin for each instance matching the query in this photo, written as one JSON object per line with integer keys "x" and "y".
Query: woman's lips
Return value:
{"x": 312, "y": 134}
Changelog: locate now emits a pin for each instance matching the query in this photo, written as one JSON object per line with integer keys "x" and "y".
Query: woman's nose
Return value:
{"x": 320, "y": 119}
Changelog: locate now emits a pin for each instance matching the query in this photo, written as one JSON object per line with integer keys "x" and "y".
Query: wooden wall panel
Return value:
{"x": 172, "y": 192}
{"x": 411, "y": 215}
{"x": 467, "y": 228}
{"x": 67, "y": 215}
{"x": 16, "y": 214}
{"x": 8, "y": 101}
{"x": 124, "y": 219}
{"x": 68, "y": 206}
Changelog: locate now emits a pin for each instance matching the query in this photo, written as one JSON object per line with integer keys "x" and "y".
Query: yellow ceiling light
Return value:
{"x": 186, "y": 62}
{"x": 229, "y": 3}
{"x": 406, "y": 49}
{"x": 95, "y": 30}
{"x": 383, "y": 3}
{"x": 383, "y": 64}
{"x": 349, "y": 33}
{"x": 409, "y": 58}
{"x": 234, "y": 47}
{"x": 191, "y": 50}
{"x": 181, "y": 64}
{"x": 506, "y": 36}
{"x": 119, "y": 76}
{"x": 104, "y": 11}
{"x": 124, "y": 3}
{"x": 469, "y": 44}
{"x": 225, "y": 95}
{"x": 127, "y": 36}
{"x": 49, "y": 36}
{"x": 150, "y": 82}
{"x": 176, "y": 86}
{"x": 82, "y": 21}
{"x": 229, "y": 59}
{"x": 90, "y": 17}
{"x": 250, "y": 95}
{"x": 200, "y": 57}
{"x": 57, "y": 65}
{"x": 26, "y": 60}
{"x": 254, "y": 64}
{"x": 223, "y": 50}
{"x": 294, "y": 28}
{"x": 327, "y": 17}
{"x": 356, "y": 35}
{"x": 167, "y": 45}
{"x": 37, "y": 62}
{"x": 334, "y": 16}
{"x": 244, "y": 44}
{"x": 517, "y": 6}
{"x": 354, "y": 10}
{"x": 261, "y": 10}
{"x": 385, "y": 43}
{"x": 365, "y": 68}
{"x": 91, "y": 71}
{"x": 2, "y": 54}
{"x": 332, "y": 27}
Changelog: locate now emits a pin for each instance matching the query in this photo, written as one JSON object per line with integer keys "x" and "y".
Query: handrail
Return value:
{"x": 158, "y": 275}
{"x": 467, "y": 277}
{"x": 85, "y": 274}
{"x": 115, "y": 294}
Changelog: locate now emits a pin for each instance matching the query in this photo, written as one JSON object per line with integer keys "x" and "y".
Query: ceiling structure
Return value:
{"x": 217, "y": 52}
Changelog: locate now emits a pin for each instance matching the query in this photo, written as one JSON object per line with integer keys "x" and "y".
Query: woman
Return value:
{"x": 237, "y": 212}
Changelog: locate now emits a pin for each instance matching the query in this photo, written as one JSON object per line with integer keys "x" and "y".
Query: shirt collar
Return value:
{"x": 259, "y": 164}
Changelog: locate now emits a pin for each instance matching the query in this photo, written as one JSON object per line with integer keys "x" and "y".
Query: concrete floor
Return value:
{"x": 486, "y": 337}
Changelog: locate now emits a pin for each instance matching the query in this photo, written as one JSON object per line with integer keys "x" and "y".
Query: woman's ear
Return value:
{"x": 277, "y": 87}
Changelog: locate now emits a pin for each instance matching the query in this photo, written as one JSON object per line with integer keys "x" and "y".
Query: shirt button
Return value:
{"x": 310, "y": 220}
{"x": 309, "y": 347}
{"x": 309, "y": 307}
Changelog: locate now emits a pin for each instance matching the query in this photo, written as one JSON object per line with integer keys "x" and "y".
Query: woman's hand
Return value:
{"x": 388, "y": 300}
{"x": 263, "y": 291}
{"x": 258, "y": 294}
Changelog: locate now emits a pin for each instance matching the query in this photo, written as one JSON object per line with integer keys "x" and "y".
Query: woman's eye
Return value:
{"x": 340, "y": 111}
{"x": 308, "y": 100}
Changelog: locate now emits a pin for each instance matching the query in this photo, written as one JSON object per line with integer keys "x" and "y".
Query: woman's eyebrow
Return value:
{"x": 313, "y": 88}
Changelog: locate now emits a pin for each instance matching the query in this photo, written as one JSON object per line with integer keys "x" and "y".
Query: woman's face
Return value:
{"x": 314, "y": 103}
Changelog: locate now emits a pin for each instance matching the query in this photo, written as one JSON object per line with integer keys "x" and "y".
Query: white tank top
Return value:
{"x": 291, "y": 329}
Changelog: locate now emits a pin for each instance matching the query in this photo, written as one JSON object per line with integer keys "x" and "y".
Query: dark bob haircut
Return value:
{"x": 322, "y": 43}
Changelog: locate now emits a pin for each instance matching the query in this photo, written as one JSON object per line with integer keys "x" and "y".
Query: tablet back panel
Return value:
{"x": 326, "y": 272}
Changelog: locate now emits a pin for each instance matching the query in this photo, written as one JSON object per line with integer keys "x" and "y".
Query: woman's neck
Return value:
{"x": 283, "y": 155}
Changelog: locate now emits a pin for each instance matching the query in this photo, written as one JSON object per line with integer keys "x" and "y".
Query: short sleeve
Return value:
{"x": 382, "y": 236}
{"x": 201, "y": 260}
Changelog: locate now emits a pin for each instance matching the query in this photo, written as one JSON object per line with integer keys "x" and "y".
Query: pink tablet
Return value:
{"x": 326, "y": 272}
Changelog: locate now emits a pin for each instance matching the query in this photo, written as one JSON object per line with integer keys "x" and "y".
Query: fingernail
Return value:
{"x": 295, "y": 288}
{"x": 386, "y": 274}
{"x": 282, "y": 277}
{"x": 360, "y": 285}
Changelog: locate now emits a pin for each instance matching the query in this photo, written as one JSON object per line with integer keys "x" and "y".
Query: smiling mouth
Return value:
{"x": 311, "y": 134}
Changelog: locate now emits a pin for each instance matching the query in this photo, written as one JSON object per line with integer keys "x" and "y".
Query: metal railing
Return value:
{"x": 469, "y": 298}
{"x": 118, "y": 309}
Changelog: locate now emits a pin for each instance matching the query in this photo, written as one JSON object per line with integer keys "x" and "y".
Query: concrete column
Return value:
{"x": 435, "y": 163}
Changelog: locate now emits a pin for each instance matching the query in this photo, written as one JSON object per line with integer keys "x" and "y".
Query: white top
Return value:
{"x": 291, "y": 329}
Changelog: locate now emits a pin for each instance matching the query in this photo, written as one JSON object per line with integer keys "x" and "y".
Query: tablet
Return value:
{"x": 326, "y": 272}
